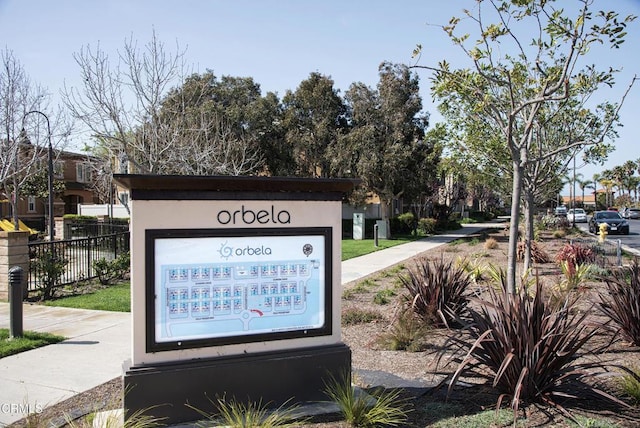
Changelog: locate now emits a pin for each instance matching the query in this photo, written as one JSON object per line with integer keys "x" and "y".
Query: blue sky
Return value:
{"x": 278, "y": 42}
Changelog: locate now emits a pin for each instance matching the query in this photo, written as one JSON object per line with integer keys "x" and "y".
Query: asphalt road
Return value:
{"x": 632, "y": 240}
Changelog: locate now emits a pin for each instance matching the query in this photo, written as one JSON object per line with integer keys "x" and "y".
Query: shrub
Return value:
{"x": 526, "y": 347}
{"x": 551, "y": 222}
{"x": 490, "y": 244}
{"x": 473, "y": 268}
{"x": 622, "y": 301}
{"x": 406, "y": 333}
{"x": 537, "y": 254}
{"x": 438, "y": 291}
{"x": 629, "y": 383}
{"x": 559, "y": 234}
{"x": 404, "y": 223}
{"x": 359, "y": 316}
{"x": 481, "y": 215}
{"x": 574, "y": 255}
{"x": 233, "y": 413}
{"x": 427, "y": 225}
{"x": 49, "y": 268}
{"x": 110, "y": 270}
{"x": 382, "y": 296}
{"x": 380, "y": 408}
{"x": 574, "y": 276}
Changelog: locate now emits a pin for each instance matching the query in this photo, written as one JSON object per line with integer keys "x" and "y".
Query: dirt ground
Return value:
{"x": 419, "y": 373}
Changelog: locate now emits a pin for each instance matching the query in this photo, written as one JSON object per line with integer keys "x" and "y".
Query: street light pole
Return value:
{"x": 50, "y": 173}
{"x": 573, "y": 203}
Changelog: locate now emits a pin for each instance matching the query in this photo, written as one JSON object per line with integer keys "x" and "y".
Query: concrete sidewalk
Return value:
{"x": 359, "y": 267}
{"x": 99, "y": 341}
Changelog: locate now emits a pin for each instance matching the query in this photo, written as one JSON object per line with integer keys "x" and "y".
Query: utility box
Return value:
{"x": 235, "y": 291}
{"x": 358, "y": 226}
{"x": 383, "y": 229}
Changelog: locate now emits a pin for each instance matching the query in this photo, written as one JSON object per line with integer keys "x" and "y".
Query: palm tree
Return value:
{"x": 608, "y": 184}
{"x": 583, "y": 185}
{"x": 634, "y": 182}
{"x": 596, "y": 179}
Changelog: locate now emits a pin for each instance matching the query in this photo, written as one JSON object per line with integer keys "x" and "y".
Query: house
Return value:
{"x": 76, "y": 170}
{"x": 589, "y": 202}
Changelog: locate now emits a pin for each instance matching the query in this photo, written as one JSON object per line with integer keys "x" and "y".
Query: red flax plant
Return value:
{"x": 526, "y": 347}
{"x": 574, "y": 255}
{"x": 621, "y": 303}
{"x": 438, "y": 291}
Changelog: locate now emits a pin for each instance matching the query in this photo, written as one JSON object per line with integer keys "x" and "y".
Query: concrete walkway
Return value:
{"x": 99, "y": 341}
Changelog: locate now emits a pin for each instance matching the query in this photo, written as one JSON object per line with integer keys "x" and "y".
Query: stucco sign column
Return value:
{"x": 234, "y": 290}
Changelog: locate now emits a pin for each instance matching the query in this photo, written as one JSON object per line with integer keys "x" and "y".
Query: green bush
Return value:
{"x": 49, "y": 268}
{"x": 80, "y": 218}
{"x": 403, "y": 224}
{"x": 481, "y": 216}
{"x": 427, "y": 225}
{"x": 111, "y": 270}
{"x": 551, "y": 222}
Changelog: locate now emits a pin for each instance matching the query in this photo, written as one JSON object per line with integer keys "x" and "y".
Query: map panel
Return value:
{"x": 221, "y": 287}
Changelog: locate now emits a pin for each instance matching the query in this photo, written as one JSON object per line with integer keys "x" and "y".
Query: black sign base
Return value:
{"x": 293, "y": 377}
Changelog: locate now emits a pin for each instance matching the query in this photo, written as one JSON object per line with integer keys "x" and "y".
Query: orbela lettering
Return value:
{"x": 249, "y": 216}
{"x": 250, "y": 251}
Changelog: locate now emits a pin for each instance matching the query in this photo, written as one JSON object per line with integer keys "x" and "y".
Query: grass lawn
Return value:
{"x": 351, "y": 248}
{"x": 113, "y": 298}
{"x": 30, "y": 340}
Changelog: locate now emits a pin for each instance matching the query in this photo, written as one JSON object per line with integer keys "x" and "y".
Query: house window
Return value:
{"x": 31, "y": 204}
{"x": 83, "y": 173}
{"x": 58, "y": 169}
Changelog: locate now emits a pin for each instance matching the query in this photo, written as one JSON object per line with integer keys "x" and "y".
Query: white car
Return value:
{"x": 576, "y": 215}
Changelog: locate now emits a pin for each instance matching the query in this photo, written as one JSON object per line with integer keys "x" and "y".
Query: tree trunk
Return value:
{"x": 513, "y": 227}
{"x": 529, "y": 236}
{"x": 13, "y": 203}
{"x": 384, "y": 216}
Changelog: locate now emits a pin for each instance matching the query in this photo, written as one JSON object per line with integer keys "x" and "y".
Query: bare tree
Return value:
{"x": 24, "y": 138}
{"x": 137, "y": 110}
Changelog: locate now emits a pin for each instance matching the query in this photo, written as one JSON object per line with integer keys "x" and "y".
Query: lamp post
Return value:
{"x": 573, "y": 202}
{"x": 50, "y": 173}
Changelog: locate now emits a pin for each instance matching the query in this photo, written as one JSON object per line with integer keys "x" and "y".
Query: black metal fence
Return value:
{"x": 86, "y": 229}
{"x": 77, "y": 256}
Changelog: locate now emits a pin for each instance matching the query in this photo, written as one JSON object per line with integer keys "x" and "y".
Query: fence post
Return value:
{"x": 89, "y": 241}
{"x": 619, "y": 253}
{"x": 15, "y": 301}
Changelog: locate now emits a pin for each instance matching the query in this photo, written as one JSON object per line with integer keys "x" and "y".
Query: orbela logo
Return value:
{"x": 227, "y": 251}
{"x": 249, "y": 216}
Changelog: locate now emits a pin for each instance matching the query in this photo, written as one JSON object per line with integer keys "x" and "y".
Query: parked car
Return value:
{"x": 577, "y": 215}
{"x": 631, "y": 213}
{"x": 614, "y": 221}
{"x": 561, "y": 211}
